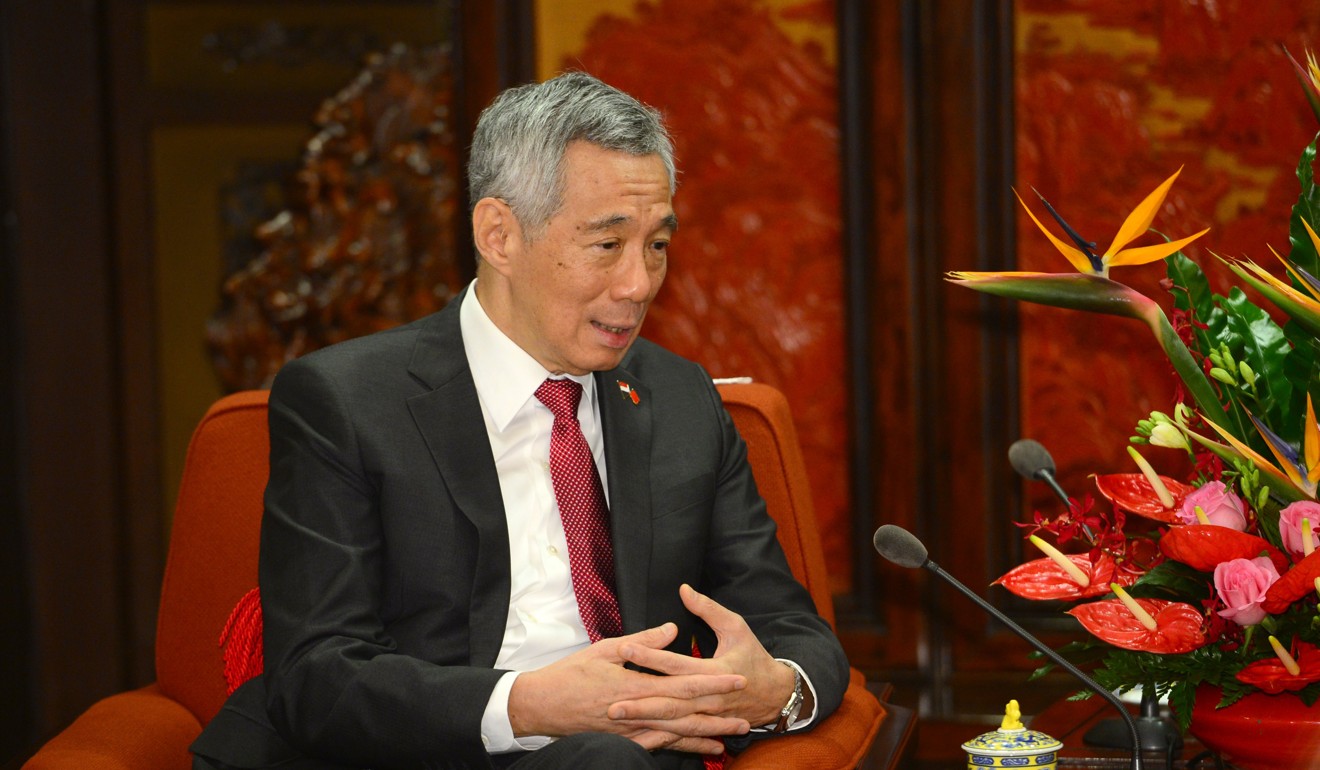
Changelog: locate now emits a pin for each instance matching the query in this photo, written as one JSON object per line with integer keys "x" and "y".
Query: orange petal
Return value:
{"x": 1311, "y": 443}
{"x": 1145, "y": 254}
{"x": 1139, "y": 220}
{"x": 1312, "y": 302}
{"x": 1287, "y": 476}
{"x": 1076, "y": 257}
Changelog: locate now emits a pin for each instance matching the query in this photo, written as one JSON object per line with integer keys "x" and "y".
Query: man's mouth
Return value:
{"x": 615, "y": 336}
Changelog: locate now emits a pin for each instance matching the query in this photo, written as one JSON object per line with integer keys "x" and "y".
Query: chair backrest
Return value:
{"x": 766, "y": 424}
{"x": 212, "y": 561}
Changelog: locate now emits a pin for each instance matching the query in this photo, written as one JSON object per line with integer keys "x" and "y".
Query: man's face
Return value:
{"x": 580, "y": 290}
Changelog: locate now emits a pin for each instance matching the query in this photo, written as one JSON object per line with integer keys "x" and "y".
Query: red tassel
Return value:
{"x": 241, "y": 641}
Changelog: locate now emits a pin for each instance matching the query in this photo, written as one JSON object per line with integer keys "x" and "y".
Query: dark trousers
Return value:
{"x": 601, "y": 751}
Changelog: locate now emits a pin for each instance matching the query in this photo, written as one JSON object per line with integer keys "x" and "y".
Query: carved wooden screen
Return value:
{"x": 368, "y": 239}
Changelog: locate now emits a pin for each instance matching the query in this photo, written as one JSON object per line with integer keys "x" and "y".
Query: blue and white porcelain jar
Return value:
{"x": 1013, "y": 745}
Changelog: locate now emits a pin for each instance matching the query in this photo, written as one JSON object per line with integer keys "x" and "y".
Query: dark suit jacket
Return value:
{"x": 384, "y": 563}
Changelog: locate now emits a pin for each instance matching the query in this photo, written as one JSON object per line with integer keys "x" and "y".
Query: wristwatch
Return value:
{"x": 789, "y": 714}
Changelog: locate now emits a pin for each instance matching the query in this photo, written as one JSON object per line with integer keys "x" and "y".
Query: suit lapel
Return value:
{"x": 449, "y": 418}
{"x": 627, "y": 429}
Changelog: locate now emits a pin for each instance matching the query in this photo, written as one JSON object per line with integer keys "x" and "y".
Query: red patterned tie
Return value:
{"x": 583, "y": 511}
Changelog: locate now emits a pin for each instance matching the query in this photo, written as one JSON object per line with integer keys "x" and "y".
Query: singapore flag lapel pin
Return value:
{"x": 627, "y": 390}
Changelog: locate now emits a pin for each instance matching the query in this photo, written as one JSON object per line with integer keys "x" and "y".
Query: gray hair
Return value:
{"x": 518, "y": 148}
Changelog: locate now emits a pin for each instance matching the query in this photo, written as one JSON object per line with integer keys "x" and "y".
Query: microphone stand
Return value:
{"x": 1157, "y": 734}
{"x": 1133, "y": 731}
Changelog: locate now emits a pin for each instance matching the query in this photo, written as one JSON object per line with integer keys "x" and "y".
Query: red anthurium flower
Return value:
{"x": 1043, "y": 579}
{"x": 1292, "y": 585}
{"x": 1177, "y": 625}
{"x": 1133, "y": 493}
{"x": 1205, "y": 546}
{"x": 1270, "y": 675}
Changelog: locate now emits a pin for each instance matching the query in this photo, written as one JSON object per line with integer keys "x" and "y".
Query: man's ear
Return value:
{"x": 496, "y": 232}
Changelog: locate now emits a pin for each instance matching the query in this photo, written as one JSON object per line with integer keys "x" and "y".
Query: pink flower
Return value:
{"x": 1222, "y": 508}
{"x": 1241, "y": 584}
{"x": 1290, "y": 524}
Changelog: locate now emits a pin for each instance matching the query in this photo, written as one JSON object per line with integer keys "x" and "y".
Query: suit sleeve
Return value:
{"x": 746, "y": 571}
{"x": 336, "y": 686}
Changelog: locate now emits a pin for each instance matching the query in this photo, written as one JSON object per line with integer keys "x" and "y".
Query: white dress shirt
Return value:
{"x": 543, "y": 624}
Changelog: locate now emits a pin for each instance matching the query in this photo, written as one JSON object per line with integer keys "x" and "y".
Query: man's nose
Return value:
{"x": 634, "y": 279}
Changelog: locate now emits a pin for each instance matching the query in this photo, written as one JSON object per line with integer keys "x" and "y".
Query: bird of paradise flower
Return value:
{"x": 1091, "y": 289}
{"x": 1296, "y": 474}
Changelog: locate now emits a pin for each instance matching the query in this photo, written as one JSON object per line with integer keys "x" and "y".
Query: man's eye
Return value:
{"x": 660, "y": 245}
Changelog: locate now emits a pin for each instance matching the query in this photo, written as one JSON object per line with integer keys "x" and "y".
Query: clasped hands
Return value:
{"x": 737, "y": 688}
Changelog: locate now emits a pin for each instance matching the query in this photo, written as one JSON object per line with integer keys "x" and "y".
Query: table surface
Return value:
{"x": 893, "y": 742}
{"x": 1069, "y": 720}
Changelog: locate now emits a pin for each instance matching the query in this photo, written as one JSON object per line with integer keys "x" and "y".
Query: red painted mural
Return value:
{"x": 1112, "y": 98}
{"x": 755, "y": 285}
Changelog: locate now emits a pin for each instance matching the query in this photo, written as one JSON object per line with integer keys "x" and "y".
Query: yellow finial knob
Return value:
{"x": 1012, "y": 717}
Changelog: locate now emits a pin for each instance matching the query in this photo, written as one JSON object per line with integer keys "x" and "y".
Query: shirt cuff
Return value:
{"x": 804, "y": 720}
{"x": 496, "y": 730}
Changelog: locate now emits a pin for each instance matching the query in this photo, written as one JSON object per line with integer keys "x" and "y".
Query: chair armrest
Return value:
{"x": 838, "y": 743}
{"x": 137, "y": 730}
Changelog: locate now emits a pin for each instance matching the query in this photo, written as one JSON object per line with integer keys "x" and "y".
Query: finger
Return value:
{"x": 664, "y": 709}
{"x": 652, "y": 740}
{"x": 664, "y": 661}
{"x": 681, "y": 688}
{"x": 721, "y": 620}
{"x": 698, "y": 746}
{"x": 694, "y": 725}
{"x": 657, "y": 638}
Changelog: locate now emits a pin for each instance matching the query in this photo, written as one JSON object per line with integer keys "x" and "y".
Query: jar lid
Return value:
{"x": 1012, "y": 739}
{"x": 1012, "y": 743}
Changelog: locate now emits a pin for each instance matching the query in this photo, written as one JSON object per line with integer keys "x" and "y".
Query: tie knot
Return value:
{"x": 560, "y": 397}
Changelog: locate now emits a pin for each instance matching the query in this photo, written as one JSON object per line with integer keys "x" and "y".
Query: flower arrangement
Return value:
{"x": 1214, "y": 579}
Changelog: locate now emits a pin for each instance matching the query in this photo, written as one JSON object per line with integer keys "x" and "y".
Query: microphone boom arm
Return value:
{"x": 1049, "y": 653}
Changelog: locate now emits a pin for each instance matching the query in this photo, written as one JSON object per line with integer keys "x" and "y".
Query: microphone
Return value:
{"x": 1032, "y": 461}
{"x": 904, "y": 549}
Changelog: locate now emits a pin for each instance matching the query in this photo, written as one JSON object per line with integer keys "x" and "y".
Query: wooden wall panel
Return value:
{"x": 15, "y": 610}
{"x": 63, "y": 415}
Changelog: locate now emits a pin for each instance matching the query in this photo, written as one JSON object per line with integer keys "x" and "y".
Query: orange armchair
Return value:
{"x": 212, "y": 564}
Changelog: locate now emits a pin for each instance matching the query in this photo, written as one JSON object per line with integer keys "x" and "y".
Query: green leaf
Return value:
{"x": 1303, "y": 252}
{"x": 1172, "y": 580}
{"x": 1182, "y": 698}
{"x": 1302, "y": 367}
{"x": 1262, "y": 344}
{"x": 1193, "y": 294}
{"x": 1310, "y": 693}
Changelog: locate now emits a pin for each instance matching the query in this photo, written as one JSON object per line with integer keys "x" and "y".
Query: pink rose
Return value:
{"x": 1221, "y": 507}
{"x": 1290, "y": 525}
{"x": 1241, "y": 584}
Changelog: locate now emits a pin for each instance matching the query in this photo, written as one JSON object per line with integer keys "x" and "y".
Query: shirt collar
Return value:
{"x": 505, "y": 375}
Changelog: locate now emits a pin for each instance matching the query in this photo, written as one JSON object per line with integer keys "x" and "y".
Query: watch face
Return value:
{"x": 794, "y": 710}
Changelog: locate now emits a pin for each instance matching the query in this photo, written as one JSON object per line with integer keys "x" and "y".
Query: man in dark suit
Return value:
{"x": 494, "y": 536}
